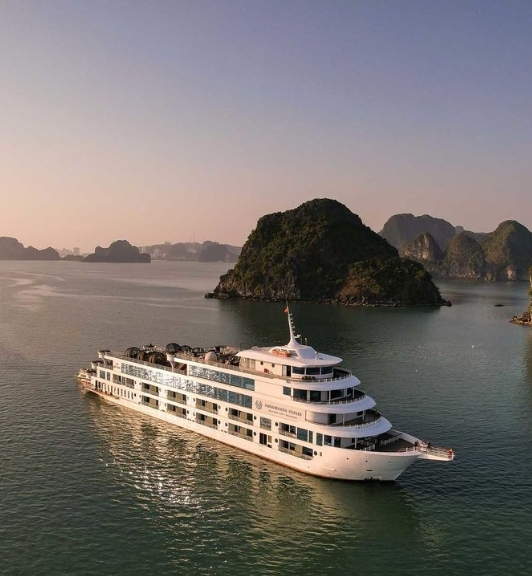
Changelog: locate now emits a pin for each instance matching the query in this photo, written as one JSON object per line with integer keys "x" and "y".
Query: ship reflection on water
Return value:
{"x": 222, "y": 498}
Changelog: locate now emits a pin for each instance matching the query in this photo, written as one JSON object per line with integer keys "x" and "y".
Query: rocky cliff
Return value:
{"x": 423, "y": 248}
{"x": 526, "y": 317}
{"x": 401, "y": 229}
{"x": 505, "y": 254}
{"x": 321, "y": 251}
{"x": 508, "y": 252}
{"x": 463, "y": 258}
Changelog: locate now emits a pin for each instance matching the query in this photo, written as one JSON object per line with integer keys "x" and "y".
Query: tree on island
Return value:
{"x": 321, "y": 251}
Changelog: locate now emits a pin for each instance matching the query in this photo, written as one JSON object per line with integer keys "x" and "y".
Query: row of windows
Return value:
{"x": 308, "y": 435}
{"x": 290, "y": 446}
{"x": 313, "y": 371}
{"x": 123, "y": 380}
{"x": 242, "y": 430}
{"x": 299, "y": 433}
{"x": 222, "y": 377}
{"x": 246, "y": 401}
{"x": 176, "y": 381}
{"x": 316, "y": 395}
{"x": 157, "y": 376}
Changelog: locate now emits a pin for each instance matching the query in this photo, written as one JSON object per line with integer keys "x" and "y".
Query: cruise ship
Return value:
{"x": 289, "y": 404}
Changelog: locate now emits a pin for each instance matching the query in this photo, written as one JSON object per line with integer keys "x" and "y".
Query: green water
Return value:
{"x": 88, "y": 488}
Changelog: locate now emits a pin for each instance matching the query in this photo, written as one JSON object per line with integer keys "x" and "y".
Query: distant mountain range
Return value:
{"x": 448, "y": 251}
{"x": 194, "y": 251}
{"x": 123, "y": 251}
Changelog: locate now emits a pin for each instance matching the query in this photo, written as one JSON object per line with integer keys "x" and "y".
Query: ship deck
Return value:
{"x": 395, "y": 446}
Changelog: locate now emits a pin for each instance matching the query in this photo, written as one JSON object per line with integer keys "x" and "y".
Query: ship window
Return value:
{"x": 302, "y": 434}
{"x": 307, "y": 451}
{"x": 298, "y": 370}
{"x": 319, "y": 439}
{"x": 287, "y": 391}
{"x": 326, "y": 369}
{"x": 313, "y": 371}
{"x": 265, "y": 423}
{"x": 336, "y": 394}
{"x": 328, "y": 441}
{"x": 337, "y": 442}
{"x": 291, "y": 429}
{"x": 300, "y": 394}
{"x": 315, "y": 396}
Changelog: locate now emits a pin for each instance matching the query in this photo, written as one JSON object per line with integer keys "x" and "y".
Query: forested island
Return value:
{"x": 448, "y": 251}
{"x": 322, "y": 252}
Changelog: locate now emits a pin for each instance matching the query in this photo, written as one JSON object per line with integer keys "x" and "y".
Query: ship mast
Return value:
{"x": 291, "y": 327}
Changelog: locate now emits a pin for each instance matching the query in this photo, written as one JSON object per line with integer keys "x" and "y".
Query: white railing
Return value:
{"x": 190, "y": 357}
{"x": 345, "y": 400}
{"x": 358, "y": 426}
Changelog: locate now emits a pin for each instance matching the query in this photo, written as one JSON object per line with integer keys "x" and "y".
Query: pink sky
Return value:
{"x": 168, "y": 121}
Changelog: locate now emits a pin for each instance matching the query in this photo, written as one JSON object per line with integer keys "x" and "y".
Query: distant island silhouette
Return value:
{"x": 444, "y": 250}
{"x": 119, "y": 251}
{"x": 12, "y": 249}
{"x": 123, "y": 251}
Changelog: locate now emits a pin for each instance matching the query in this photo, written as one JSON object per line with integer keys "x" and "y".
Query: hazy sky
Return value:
{"x": 172, "y": 120}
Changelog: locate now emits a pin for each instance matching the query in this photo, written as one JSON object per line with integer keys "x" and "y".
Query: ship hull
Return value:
{"x": 333, "y": 463}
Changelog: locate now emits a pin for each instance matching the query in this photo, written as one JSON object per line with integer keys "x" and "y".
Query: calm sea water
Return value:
{"x": 89, "y": 488}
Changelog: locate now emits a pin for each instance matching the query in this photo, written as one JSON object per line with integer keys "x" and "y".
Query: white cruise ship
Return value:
{"x": 289, "y": 404}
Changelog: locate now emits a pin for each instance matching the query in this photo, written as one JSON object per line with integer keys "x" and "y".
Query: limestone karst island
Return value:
{"x": 322, "y": 252}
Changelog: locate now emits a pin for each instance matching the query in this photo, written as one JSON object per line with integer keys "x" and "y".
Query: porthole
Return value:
{"x": 276, "y": 440}
{"x": 315, "y": 453}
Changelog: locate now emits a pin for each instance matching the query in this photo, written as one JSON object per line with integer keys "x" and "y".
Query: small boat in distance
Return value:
{"x": 289, "y": 404}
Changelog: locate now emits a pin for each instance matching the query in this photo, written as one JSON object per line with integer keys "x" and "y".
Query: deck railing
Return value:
{"x": 344, "y": 400}
{"x": 294, "y": 453}
{"x": 341, "y": 374}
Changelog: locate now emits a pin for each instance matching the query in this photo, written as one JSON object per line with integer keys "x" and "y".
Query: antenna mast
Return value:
{"x": 292, "y": 328}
